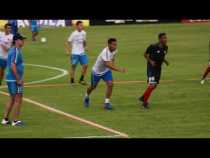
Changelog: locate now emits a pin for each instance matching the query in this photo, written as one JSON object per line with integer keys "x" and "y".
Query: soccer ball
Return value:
{"x": 43, "y": 39}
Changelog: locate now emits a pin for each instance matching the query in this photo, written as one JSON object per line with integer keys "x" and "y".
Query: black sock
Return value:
{"x": 81, "y": 78}
{"x": 72, "y": 80}
{"x": 6, "y": 119}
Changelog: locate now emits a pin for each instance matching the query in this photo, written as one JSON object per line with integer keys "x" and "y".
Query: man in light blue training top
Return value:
{"x": 14, "y": 78}
{"x": 34, "y": 29}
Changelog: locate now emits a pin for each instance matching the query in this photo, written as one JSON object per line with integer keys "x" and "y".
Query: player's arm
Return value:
{"x": 146, "y": 56}
{"x": 209, "y": 52}
{"x": 68, "y": 47}
{"x": 4, "y": 47}
{"x": 166, "y": 62}
{"x": 85, "y": 42}
{"x": 14, "y": 70}
{"x": 68, "y": 44}
{"x": 85, "y": 45}
{"x": 111, "y": 65}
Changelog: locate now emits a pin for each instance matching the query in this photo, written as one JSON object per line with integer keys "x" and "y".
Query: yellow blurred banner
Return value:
{"x": 2, "y": 23}
{"x": 85, "y": 22}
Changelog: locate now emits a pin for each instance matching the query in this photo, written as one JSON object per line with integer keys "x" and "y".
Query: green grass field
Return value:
{"x": 180, "y": 106}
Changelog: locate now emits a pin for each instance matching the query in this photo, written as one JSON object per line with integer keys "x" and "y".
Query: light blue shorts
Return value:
{"x": 82, "y": 59}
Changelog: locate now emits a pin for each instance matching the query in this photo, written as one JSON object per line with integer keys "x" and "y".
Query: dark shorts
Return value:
{"x": 153, "y": 74}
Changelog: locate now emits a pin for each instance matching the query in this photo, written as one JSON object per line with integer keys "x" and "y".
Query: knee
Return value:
{"x": 73, "y": 67}
{"x": 153, "y": 85}
{"x": 85, "y": 66}
{"x": 110, "y": 84}
{"x": 92, "y": 87}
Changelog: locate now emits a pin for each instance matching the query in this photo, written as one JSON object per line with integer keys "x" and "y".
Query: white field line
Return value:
{"x": 108, "y": 136}
{"x": 73, "y": 117}
{"x": 63, "y": 73}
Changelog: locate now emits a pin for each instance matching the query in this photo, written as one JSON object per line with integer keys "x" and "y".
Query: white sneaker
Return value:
{"x": 202, "y": 81}
{"x": 5, "y": 122}
{"x": 17, "y": 123}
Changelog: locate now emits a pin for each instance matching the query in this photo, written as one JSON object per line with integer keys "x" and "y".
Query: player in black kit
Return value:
{"x": 155, "y": 56}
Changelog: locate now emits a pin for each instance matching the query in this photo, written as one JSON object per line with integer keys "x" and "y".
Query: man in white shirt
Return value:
{"x": 77, "y": 44}
{"x": 103, "y": 70}
{"x": 6, "y": 39}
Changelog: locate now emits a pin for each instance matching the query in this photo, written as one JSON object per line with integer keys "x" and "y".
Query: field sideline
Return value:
{"x": 180, "y": 106}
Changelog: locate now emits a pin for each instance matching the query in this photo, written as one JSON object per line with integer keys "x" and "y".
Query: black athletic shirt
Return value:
{"x": 157, "y": 53}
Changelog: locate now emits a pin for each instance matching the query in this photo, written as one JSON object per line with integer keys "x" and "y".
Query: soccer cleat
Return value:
{"x": 202, "y": 81}
{"x": 71, "y": 83}
{"x": 5, "y": 122}
{"x": 145, "y": 105}
{"x": 82, "y": 82}
{"x": 141, "y": 99}
{"x": 87, "y": 102}
{"x": 17, "y": 123}
{"x": 108, "y": 106}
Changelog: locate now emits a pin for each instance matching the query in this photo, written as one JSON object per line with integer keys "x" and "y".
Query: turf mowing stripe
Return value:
{"x": 108, "y": 136}
{"x": 93, "y": 124}
{"x": 115, "y": 82}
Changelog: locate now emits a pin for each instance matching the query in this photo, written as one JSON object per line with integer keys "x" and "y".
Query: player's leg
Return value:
{"x": 153, "y": 80}
{"x": 17, "y": 107}
{"x": 94, "y": 82}
{"x": 74, "y": 62}
{"x": 3, "y": 65}
{"x": 109, "y": 88}
{"x": 8, "y": 109}
{"x": 34, "y": 31}
{"x": 1, "y": 75}
{"x": 33, "y": 36}
{"x": 205, "y": 74}
{"x": 84, "y": 63}
{"x": 10, "y": 104}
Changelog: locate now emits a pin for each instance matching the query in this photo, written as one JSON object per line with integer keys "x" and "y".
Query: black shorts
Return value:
{"x": 153, "y": 74}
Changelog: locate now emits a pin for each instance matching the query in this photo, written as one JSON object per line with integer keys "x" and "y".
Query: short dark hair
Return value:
{"x": 110, "y": 40}
{"x": 78, "y": 22}
{"x": 7, "y": 24}
{"x": 161, "y": 34}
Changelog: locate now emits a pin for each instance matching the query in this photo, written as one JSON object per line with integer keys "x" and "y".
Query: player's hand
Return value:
{"x": 20, "y": 82}
{"x": 152, "y": 63}
{"x": 167, "y": 63}
{"x": 124, "y": 70}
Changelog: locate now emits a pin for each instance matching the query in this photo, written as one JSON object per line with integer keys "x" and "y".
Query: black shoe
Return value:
{"x": 141, "y": 99}
{"x": 72, "y": 81}
{"x": 82, "y": 82}
{"x": 145, "y": 105}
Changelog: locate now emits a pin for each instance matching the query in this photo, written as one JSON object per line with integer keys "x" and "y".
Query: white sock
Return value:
{"x": 86, "y": 95}
{"x": 106, "y": 100}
